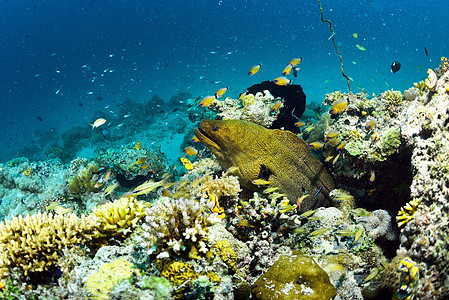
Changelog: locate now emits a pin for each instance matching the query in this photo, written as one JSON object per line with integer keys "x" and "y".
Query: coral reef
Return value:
{"x": 81, "y": 181}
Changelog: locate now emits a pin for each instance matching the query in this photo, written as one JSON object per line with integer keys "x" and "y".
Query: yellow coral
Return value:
{"x": 118, "y": 217}
{"x": 248, "y": 100}
{"x": 226, "y": 254}
{"x": 33, "y": 243}
{"x": 101, "y": 283}
{"x": 180, "y": 272}
{"x": 393, "y": 97}
{"x": 407, "y": 212}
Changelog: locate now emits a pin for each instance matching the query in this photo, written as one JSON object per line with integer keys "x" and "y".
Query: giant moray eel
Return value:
{"x": 275, "y": 155}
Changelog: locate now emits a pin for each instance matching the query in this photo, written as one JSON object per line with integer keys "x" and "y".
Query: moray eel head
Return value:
{"x": 277, "y": 156}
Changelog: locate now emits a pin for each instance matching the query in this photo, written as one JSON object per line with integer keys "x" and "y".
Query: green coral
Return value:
{"x": 353, "y": 148}
{"x": 294, "y": 276}
{"x": 82, "y": 182}
{"x": 101, "y": 283}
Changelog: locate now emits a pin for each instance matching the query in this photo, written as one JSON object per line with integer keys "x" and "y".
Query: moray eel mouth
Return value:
{"x": 206, "y": 139}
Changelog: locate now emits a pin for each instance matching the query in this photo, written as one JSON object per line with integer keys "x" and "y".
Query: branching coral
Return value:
{"x": 227, "y": 185}
{"x": 178, "y": 226}
{"x": 119, "y": 217}
{"x": 407, "y": 212}
{"x": 34, "y": 243}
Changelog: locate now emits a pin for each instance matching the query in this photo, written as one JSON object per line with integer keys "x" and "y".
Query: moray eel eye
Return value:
{"x": 214, "y": 128}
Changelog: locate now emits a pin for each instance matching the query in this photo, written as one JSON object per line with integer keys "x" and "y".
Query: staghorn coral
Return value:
{"x": 100, "y": 284}
{"x": 34, "y": 243}
{"x": 116, "y": 219}
{"x": 178, "y": 226}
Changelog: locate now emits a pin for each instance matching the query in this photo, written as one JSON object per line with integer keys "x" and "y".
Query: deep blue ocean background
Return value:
{"x": 58, "y": 55}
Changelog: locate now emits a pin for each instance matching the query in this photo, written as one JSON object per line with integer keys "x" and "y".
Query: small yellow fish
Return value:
{"x": 254, "y": 70}
{"x": 138, "y": 146}
{"x": 345, "y": 232}
{"x": 276, "y": 195}
{"x": 318, "y": 232}
{"x": 338, "y": 106}
{"x": 355, "y": 35}
{"x": 110, "y": 189}
{"x": 372, "y": 176}
{"x": 281, "y": 81}
{"x": 242, "y": 95}
{"x": 190, "y": 151}
{"x": 270, "y": 190}
{"x": 232, "y": 169}
{"x": 300, "y": 124}
{"x": 334, "y": 142}
{"x": 98, "y": 123}
{"x": 309, "y": 129}
{"x": 219, "y": 93}
{"x": 245, "y": 223}
{"x": 167, "y": 193}
{"x": 181, "y": 193}
{"x": 52, "y": 205}
{"x": 144, "y": 167}
{"x": 360, "y": 212}
{"x": 316, "y": 145}
{"x": 108, "y": 175}
{"x": 194, "y": 139}
{"x": 186, "y": 163}
{"x": 275, "y": 106}
{"x": 336, "y": 158}
{"x": 307, "y": 214}
{"x": 330, "y": 135}
{"x": 206, "y": 101}
{"x": 299, "y": 230}
{"x": 287, "y": 70}
{"x": 328, "y": 158}
{"x": 360, "y": 47}
{"x": 295, "y": 61}
{"x": 260, "y": 182}
{"x": 342, "y": 145}
{"x": 286, "y": 208}
{"x": 98, "y": 185}
{"x": 358, "y": 235}
{"x": 28, "y": 171}
{"x": 375, "y": 137}
{"x": 141, "y": 160}
{"x": 370, "y": 124}
{"x": 373, "y": 274}
{"x": 342, "y": 195}
{"x": 315, "y": 218}
{"x": 216, "y": 208}
{"x": 62, "y": 210}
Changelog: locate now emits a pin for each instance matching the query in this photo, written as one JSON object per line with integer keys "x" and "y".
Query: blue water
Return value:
{"x": 58, "y": 55}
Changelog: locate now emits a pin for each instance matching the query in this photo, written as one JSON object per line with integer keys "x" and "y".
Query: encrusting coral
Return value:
{"x": 33, "y": 243}
{"x": 81, "y": 182}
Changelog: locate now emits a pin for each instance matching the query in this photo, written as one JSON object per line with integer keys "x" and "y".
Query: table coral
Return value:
{"x": 34, "y": 243}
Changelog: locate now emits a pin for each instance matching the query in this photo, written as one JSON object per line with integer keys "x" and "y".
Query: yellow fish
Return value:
{"x": 372, "y": 176}
{"x": 138, "y": 146}
{"x": 194, "y": 139}
{"x": 232, "y": 169}
{"x": 316, "y": 145}
{"x": 287, "y": 69}
{"x": 276, "y": 106}
{"x": 98, "y": 123}
{"x": 361, "y": 212}
{"x": 336, "y": 158}
{"x": 318, "y": 232}
{"x": 370, "y": 124}
{"x": 355, "y": 35}
{"x": 62, "y": 210}
{"x": 245, "y": 223}
{"x": 309, "y": 129}
{"x": 276, "y": 195}
{"x": 358, "y": 235}
{"x": 254, "y": 70}
{"x": 28, "y": 172}
{"x": 270, "y": 189}
{"x": 300, "y": 124}
{"x": 330, "y": 135}
{"x": 144, "y": 167}
{"x": 190, "y": 151}
{"x": 216, "y": 208}
{"x": 110, "y": 189}
{"x": 219, "y": 93}
{"x": 338, "y": 106}
{"x": 206, "y": 101}
{"x": 295, "y": 61}
{"x": 141, "y": 160}
{"x": 360, "y": 47}
{"x": 328, "y": 158}
{"x": 260, "y": 182}
{"x": 52, "y": 205}
{"x": 242, "y": 95}
{"x": 186, "y": 163}
{"x": 281, "y": 81}
{"x": 341, "y": 146}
